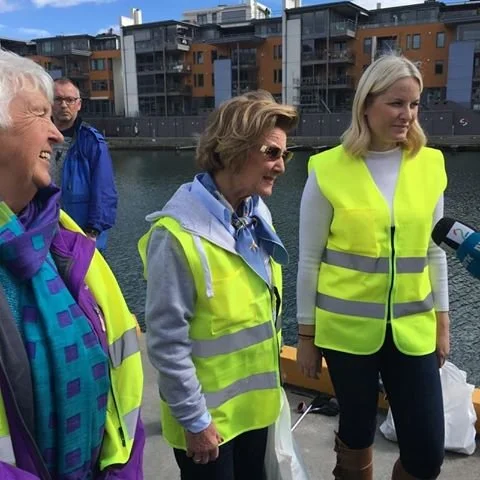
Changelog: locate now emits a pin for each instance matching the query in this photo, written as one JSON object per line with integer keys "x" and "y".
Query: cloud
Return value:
{"x": 8, "y": 6}
{"x": 34, "y": 32}
{"x": 115, "y": 29}
{"x": 65, "y": 3}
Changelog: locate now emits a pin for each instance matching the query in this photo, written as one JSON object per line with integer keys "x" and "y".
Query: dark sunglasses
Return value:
{"x": 273, "y": 153}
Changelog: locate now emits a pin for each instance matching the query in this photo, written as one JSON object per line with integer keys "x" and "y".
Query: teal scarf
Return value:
{"x": 69, "y": 367}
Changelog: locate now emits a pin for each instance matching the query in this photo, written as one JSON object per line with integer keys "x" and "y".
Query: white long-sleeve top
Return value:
{"x": 316, "y": 215}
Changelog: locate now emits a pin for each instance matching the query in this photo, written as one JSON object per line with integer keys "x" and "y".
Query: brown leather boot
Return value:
{"x": 399, "y": 473}
{"x": 353, "y": 464}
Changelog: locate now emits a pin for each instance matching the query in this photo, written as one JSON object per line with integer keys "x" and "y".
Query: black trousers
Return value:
{"x": 240, "y": 459}
{"x": 414, "y": 391}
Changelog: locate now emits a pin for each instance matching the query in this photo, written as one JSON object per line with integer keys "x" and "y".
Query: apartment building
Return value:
{"x": 463, "y": 73}
{"x": 415, "y": 31}
{"x": 90, "y": 62}
{"x": 311, "y": 56}
{"x": 157, "y": 68}
{"x": 221, "y": 14}
{"x": 229, "y": 60}
{"x": 319, "y": 63}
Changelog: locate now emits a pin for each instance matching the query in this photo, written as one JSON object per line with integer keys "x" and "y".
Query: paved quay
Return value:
{"x": 314, "y": 435}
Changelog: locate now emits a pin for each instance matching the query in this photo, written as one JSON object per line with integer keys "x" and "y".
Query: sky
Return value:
{"x": 28, "y": 19}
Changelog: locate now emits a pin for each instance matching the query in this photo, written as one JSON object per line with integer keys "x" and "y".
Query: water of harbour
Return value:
{"x": 146, "y": 180}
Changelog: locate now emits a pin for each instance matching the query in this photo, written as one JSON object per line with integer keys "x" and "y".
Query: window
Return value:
{"x": 277, "y": 52}
{"x": 214, "y": 17}
{"x": 99, "y": 85}
{"x": 198, "y": 80}
{"x": 416, "y": 41}
{"x": 97, "y": 64}
{"x": 202, "y": 19}
{"x": 409, "y": 42}
{"x": 440, "y": 39}
{"x": 214, "y": 55}
{"x": 277, "y": 76}
{"x": 198, "y": 58}
{"x": 439, "y": 67}
{"x": 367, "y": 45}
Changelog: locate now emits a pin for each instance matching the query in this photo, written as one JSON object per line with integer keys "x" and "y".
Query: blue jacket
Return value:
{"x": 89, "y": 194}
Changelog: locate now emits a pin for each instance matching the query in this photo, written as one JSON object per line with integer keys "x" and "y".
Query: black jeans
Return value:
{"x": 414, "y": 391}
{"x": 240, "y": 459}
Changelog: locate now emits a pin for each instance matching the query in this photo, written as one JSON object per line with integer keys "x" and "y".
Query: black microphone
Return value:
{"x": 460, "y": 239}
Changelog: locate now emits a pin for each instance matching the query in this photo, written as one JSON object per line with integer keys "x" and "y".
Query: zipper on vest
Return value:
{"x": 121, "y": 433}
{"x": 392, "y": 276}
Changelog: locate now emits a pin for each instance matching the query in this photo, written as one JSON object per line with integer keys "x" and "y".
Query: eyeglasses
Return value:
{"x": 67, "y": 100}
{"x": 274, "y": 153}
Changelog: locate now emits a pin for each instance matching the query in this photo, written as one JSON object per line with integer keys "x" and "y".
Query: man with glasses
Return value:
{"x": 82, "y": 167}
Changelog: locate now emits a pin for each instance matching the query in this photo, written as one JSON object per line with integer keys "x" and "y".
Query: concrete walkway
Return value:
{"x": 314, "y": 435}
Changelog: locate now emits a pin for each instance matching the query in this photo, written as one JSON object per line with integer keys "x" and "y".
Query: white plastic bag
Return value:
{"x": 460, "y": 416}
{"x": 282, "y": 457}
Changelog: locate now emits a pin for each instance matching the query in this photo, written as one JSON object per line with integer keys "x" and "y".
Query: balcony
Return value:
{"x": 152, "y": 68}
{"x": 244, "y": 87}
{"x": 334, "y": 81}
{"x": 246, "y": 61}
{"x": 460, "y": 16}
{"x": 76, "y": 73}
{"x": 346, "y": 28}
{"x": 159, "y": 90}
{"x": 243, "y": 38}
{"x": 179, "y": 90}
{"x": 344, "y": 56}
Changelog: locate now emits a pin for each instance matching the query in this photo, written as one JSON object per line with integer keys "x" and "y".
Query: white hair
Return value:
{"x": 17, "y": 74}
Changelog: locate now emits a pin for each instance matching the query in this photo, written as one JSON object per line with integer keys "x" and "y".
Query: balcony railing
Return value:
{"x": 344, "y": 56}
{"x": 159, "y": 68}
{"x": 334, "y": 81}
{"x": 460, "y": 16}
{"x": 76, "y": 73}
{"x": 244, "y": 87}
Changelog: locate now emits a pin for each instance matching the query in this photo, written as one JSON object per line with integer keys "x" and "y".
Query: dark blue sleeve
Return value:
{"x": 102, "y": 210}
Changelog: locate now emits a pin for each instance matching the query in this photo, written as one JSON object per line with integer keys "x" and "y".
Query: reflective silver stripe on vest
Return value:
{"x": 6, "y": 450}
{"x": 360, "y": 263}
{"x": 207, "y": 274}
{"x": 370, "y": 309}
{"x": 411, "y": 308}
{"x": 233, "y": 341}
{"x": 411, "y": 264}
{"x": 125, "y": 346}
{"x": 261, "y": 381}
{"x": 350, "y": 307}
{"x": 131, "y": 420}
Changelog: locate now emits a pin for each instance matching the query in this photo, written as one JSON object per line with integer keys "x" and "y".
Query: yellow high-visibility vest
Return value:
{"x": 235, "y": 338}
{"x": 373, "y": 271}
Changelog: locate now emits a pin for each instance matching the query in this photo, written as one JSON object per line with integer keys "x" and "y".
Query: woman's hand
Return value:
{"x": 309, "y": 356}
{"x": 443, "y": 337}
{"x": 203, "y": 446}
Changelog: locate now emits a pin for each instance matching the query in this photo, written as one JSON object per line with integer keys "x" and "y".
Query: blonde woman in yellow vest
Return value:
{"x": 70, "y": 369}
{"x": 214, "y": 288}
{"x": 372, "y": 290}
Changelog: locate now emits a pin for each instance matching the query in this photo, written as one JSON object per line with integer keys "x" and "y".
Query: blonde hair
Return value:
{"x": 376, "y": 79}
{"x": 238, "y": 124}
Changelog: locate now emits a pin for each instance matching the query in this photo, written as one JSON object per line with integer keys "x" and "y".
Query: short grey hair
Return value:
{"x": 17, "y": 74}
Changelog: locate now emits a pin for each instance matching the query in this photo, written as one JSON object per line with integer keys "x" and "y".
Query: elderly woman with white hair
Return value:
{"x": 70, "y": 368}
{"x": 372, "y": 291}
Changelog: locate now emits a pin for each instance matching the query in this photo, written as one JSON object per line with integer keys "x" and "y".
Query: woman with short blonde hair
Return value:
{"x": 372, "y": 288}
{"x": 238, "y": 124}
{"x": 213, "y": 267}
